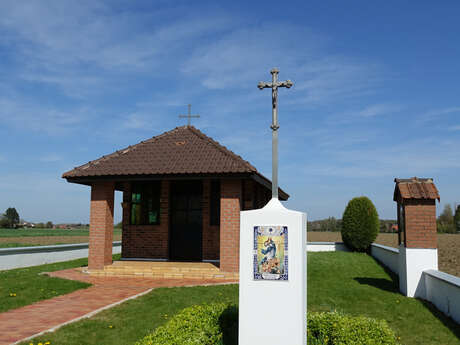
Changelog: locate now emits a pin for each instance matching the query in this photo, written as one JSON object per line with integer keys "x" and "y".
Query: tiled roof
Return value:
{"x": 183, "y": 150}
{"x": 416, "y": 188}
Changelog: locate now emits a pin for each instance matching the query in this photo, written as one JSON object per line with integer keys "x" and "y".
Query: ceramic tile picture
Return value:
{"x": 270, "y": 252}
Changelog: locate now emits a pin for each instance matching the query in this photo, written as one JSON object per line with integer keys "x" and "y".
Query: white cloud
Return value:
{"x": 50, "y": 158}
{"x": 238, "y": 59}
{"x": 436, "y": 113}
{"x": 378, "y": 110}
{"x": 20, "y": 114}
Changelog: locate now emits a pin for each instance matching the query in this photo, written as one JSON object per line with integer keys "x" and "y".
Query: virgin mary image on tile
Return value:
{"x": 270, "y": 252}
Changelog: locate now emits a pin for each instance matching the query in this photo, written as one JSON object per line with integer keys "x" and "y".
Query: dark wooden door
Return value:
{"x": 186, "y": 227}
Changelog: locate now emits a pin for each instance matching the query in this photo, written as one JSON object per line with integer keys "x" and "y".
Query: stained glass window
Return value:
{"x": 145, "y": 203}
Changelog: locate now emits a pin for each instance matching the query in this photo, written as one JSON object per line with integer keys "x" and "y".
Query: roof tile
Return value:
{"x": 183, "y": 150}
{"x": 416, "y": 188}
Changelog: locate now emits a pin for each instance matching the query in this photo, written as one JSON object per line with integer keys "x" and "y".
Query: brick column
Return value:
{"x": 416, "y": 198}
{"x": 421, "y": 231}
{"x": 101, "y": 225}
{"x": 230, "y": 206}
{"x": 125, "y": 232}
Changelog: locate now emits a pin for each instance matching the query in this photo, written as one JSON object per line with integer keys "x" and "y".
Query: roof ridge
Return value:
{"x": 221, "y": 148}
{"x": 123, "y": 150}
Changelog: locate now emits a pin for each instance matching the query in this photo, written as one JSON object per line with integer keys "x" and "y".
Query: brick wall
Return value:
{"x": 211, "y": 234}
{"x": 230, "y": 205}
{"x": 420, "y": 218}
{"x": 146, "y": 241}
{"x": 101, "y": 225}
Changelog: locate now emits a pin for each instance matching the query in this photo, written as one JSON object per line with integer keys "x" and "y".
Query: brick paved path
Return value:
{"x": 21, "y": 323}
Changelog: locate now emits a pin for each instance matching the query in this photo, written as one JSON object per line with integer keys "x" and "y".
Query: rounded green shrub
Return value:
{"x": 335, "y": 328}
{"x": 360, "y": 224}
{"x": 217, "y": 324}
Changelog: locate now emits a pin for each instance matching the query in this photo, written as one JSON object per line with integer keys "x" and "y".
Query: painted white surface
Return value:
{"x": 32, "y": 256}
{"x": 273, "y": 312}
{"x": 412, "y": 263}
{"x": 443, "y": 290}
{"x": 326, "y": 247}
{"x": 388, "y": 256}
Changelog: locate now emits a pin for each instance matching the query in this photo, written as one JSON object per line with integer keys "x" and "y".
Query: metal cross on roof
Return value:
{"x": 189, "y": 115}
{"x": 274, "y": 85}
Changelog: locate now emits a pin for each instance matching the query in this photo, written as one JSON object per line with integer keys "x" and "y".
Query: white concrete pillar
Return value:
{"x": 412, "y": 263}
{"x": 273, "y": 276}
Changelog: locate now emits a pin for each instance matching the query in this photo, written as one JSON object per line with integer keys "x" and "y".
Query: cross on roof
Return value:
{"x": 189, "y": 115}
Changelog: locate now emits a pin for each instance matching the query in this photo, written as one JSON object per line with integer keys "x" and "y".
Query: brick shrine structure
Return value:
{"x": 182, "y": 197}
{"x": 417, "y": 232}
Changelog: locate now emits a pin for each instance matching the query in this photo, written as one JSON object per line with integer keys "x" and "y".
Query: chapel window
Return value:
{"x": 145, "y": 203}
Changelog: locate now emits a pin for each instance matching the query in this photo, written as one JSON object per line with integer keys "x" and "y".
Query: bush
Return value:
{"x": 217, "y": 324}
{"x": 360, "y": 224}
{"x": 336, "y": 328}
{"x": 194, "y": 325}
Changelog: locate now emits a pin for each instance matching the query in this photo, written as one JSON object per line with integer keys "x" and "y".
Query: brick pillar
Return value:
{"x": 416, "y": 199}
{"x": 125, "y": 233}
{"x": 421, "y": 231}
{"x": 230, "y": 206}
{"x": 101, "y": 225}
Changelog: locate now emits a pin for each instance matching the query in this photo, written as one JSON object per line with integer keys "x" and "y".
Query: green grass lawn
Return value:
{"x": 47, "y": 232}
{"x": 42, "y": 232}
{"x": 30, "y": 286}
{"x": 16, "y": 245}
{"x": 349, "y": 282}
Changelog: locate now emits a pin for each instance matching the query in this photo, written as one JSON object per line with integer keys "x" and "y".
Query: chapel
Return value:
{"x": 182, "y": 197}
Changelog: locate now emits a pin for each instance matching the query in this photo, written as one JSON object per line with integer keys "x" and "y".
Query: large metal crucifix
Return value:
{"x": 189, "y": 115}
{"x": 274, "y": 85}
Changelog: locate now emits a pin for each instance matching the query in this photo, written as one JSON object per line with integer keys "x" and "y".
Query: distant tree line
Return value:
{"x": 334, "y": 225}
{"x": 10, "y": 219}
{"x": 449, "y": 221}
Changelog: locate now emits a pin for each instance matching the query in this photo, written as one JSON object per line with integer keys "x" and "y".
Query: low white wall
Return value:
{"x": 388, "y": 256}
{"x": 39, "y": 255}
{"x": 443, "y": 290}
{"x": 326, "y": 247}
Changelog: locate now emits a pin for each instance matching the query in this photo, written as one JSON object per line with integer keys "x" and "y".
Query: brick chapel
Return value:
{"x": 182, "y": 197}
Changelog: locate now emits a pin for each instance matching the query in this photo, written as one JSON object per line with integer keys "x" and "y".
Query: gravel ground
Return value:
{"x": 448, "y": 247}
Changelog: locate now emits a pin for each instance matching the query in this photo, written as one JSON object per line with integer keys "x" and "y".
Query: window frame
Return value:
{"x": 150, "y": 192}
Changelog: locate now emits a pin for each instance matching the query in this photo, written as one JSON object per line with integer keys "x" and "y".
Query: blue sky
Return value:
{"x": 376, "y": 93}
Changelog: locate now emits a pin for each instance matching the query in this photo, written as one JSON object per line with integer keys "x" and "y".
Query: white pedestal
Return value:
{"x": 412, "y": 263}
{"x": 273, "y": 288}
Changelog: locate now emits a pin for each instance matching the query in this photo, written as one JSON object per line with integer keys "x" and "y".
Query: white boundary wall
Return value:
{"x": 326, "y": 247}
{"x": 443, "y": 290}
{"x": 39, "y": 255}
{"x": 388, "y": 256}
{"x": 440, "y": 288}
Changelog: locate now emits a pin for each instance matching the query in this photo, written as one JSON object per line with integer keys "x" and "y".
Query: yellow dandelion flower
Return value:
{"x": 39, "y": 344}
{"x": 110, "y": 326}
{"x": 47, "y": 343}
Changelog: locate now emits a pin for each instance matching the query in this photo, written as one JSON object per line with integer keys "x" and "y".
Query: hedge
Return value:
{"x": 217, "y": 324}
{"x": 360, "y": 224}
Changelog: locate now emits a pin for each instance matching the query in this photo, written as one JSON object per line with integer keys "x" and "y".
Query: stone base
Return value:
{"x": 163, "y": 270}
{"x": 412, "y": 263}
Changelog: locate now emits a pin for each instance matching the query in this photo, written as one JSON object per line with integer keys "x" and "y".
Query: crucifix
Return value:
{"x": 189, "y": 115}
{"x": 274, "y": 85}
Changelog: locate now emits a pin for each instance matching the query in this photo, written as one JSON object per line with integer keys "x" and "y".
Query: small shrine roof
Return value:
{"x": 416, "y": 188}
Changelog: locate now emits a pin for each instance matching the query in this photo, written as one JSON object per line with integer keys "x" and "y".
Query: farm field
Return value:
{"x": 448, "y": 247}
{"x": 41, "y": 237}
